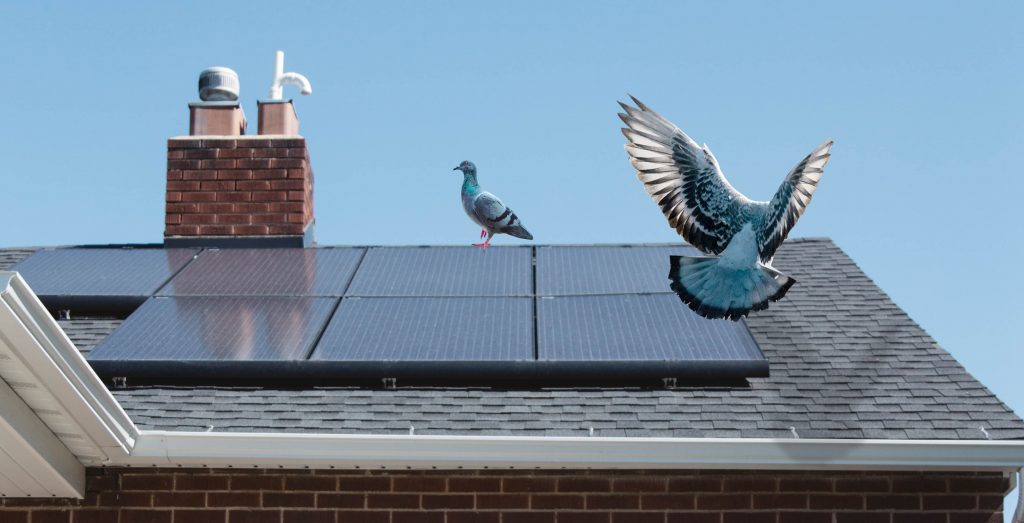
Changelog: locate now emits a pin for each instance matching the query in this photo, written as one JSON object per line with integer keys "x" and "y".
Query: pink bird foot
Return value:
{"x": 485, "y": 244}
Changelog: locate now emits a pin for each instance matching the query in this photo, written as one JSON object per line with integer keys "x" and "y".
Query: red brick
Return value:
{"x": 311, "y": 483}
{"x": 234, "y": 174}
{"x": 805, "y": 517}
{"x": 300, "y": 207}
{"x": 392, "y": 501}
{"x": 199, "y": 196}
{"x": 182, "y": 207}
{"x": 584, "y": 517}
{"x": 693, "y": 517}
{"x": 862, "y": 517}
{"x": 417, "y": 517}
{"x": 176, "y": 154}
{"x": 9, "y": 516}
{"x": 949, "y": 501}
{"x": 269, "y": 174}
{"x": 179, "y": 499}
{"x": 236, "y": 196}
{"x": 145, "y": 516}
{"x": 289, "y": 142}
{"x": 980, "y": 484}
{"x": 296, "y": 218}
{"x": 287, "y": 184}
{"x": 220, "y": 163}
{"x": 198, "y": 219}
{"x": 694, "y": 484}
{"x": 836, "y": 501}
{"x": 173, "y": 175}
{"x": 218, "y": 185}
{"x": 897, "y": 502}
{"x": 751, "y": 484}
{"x": 252, "y": 163}
{"x": 275, "y": 219}
{"x": 667, "y": 501}
{"x": 805, "y": 485}
{"x": 640, "y": 484}
{"x": 918, "y": 485}
{"x": 363, "y": 516}
{"x": 232, "y": 499}
{"x": 235, "y": 219}
{"x": 869, "y": 484}
{"x": 182, "y": 165}
{"x": 50, "y": 516}
{"x": 296, "y": 196}
{"x": 990, "y": 502}
{"x": 251, "y": 208}
{"x": 183, "y": 186}
{"x": 584, "y": 484}
{"x": 308, "y": 516}
{"x": 297, "y": 152}
{"x": 366, "y": 483}
{"x": 748, "y": 517}
{"x": 181, "y": 230}
{"x": 450, "y": 501}
{"x": 289, "y": 499}
{"x": 325, "y": 500}
{"x": 200, "y": 154}
{"x": 552, "y": 501}
{"x": 253, "y": 185}
{"x": 147, "y": 482}
{"x": 777, "y": 501}
{"x": 400, "y": 483}
{"x": 198, "y": 174}
{"x": 248, "y": 230}
{"x": 723, "y": 501}
{"x": 270, "y": 152}
{"x": 296, "y": 173}
{"x": 528, "y": 517}
{"x": 637, "y": 517}
{"x": 254, "y": 516}
{"x": 220, "y": 143}
{"x": 200, "y": 516}
{"x": 285, "y": 229}
{"x": 469, "y": 484}
{"x": 613, "y": 501}
{"x": 218, "y": 207}
{"x": 270, "y": 196}
{"x": 256, "y": 142}
{"x": 288, "y": 163}
{"x": 957, "y": 517}
{"x": 472, "y": 517}
{"x": 94, "y": 515}
{"x": 240, "y": 152}
{"x": 490, "y": 501}
{"x": 255, "y": 482}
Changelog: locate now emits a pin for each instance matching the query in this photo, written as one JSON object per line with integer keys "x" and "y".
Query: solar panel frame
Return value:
{"x": 444, "y": 271}
{"x": 102, "y": 280}
{"x": 267, "y": 272}
{"x": 217, "y": 336}
{"x": 605, "y": 269}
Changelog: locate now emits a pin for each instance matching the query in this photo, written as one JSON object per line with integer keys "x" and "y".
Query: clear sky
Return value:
{"x": 925, "y": 101}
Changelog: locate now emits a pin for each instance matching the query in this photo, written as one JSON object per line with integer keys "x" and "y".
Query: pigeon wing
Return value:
{"x": 790, "y": 200}
{"x": 683, "y": 178}
{"x": 491, "y": 212}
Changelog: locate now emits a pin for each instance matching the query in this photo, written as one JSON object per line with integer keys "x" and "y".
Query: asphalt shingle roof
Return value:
{"x": 846, "y": 362}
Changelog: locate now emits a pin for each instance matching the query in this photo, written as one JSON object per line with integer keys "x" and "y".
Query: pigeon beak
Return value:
{"x": 455, "y": 169}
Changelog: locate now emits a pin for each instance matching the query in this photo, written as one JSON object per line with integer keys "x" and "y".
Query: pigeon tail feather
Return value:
{"x": 715, "y": 290}
{"x": 519, "y": 232}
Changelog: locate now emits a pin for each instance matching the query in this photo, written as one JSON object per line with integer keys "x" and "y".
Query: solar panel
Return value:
{"x": 100, "y": 278}
{"x": 444, "y": 271}
{"x": 429, "y": 330}
{"x": 267, "y": 272}
{"x": 185, "y": 330}
{"x": 644, "y": 329}
{"x": 564, "y": 271}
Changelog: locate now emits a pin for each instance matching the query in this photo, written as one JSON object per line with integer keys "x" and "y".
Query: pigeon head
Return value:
{"x": 466, "y": 168}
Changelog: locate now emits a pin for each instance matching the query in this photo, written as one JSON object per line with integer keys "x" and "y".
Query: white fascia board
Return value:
{"x": 248, "y": 450}
{"x": 48, "y": 372}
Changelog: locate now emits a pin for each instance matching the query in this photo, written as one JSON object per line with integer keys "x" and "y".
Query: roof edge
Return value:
{"x": 349, "y": 451}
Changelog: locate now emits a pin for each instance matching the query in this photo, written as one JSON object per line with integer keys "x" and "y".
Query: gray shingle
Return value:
{"x": 846, "y": 362}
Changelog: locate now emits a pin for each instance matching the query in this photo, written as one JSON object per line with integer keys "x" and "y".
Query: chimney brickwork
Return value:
{"x": 237, "y": 188}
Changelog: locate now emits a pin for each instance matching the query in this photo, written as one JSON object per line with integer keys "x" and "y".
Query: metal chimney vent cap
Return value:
{"x": 218, "y": 84}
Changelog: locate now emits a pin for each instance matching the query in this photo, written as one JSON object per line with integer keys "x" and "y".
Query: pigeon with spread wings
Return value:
{"x": 739, "y": 235}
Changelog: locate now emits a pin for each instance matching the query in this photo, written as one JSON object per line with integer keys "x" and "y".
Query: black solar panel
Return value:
{"x": 444, "y": 271}
{"x": 639, "y": 328}
{"x": 564, "y": 271}
{"x": 267, "y": 272}
{"x": 429, "y": 329}
{"x": 233, "y": 328}
{"x": 100, "y": 278}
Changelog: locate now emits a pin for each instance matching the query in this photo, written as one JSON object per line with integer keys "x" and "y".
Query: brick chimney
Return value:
{"x": 232, "y": 190}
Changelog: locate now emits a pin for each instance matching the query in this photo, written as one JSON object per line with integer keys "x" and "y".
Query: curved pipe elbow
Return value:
{"x": 298, "y": 80}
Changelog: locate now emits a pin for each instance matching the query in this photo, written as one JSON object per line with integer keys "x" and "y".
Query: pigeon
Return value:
{"x": 487, "y": 210}
{"x": 739, "y": 235}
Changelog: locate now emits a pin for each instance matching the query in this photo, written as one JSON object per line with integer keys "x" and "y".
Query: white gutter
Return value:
{"x": 247, "y": 450}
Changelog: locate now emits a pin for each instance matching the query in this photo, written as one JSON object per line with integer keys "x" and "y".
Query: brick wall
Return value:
{"x": 244, "y": 186}
{"x": 234, "y": 496}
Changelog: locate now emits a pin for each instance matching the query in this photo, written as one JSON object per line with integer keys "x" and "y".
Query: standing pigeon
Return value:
{"x": 739, "y": 234}
{"x": 487, "y": 210}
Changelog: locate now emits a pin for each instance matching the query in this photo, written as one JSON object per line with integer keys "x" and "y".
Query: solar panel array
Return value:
{"x": 508, "y": 312}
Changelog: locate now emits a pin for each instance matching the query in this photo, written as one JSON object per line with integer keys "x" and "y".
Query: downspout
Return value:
{"x": 1018, "y": 515}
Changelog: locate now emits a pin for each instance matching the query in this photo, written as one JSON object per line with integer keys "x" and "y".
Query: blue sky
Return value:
{"x": 923, "y": 99}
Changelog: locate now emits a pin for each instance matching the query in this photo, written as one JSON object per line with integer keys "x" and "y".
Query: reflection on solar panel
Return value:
{"x": 185, "y": 330}
{"x": 563, "y": 271}
{"x": 642, "y": 328}
{"x": 100, "y": 278}
{"x": 429, "y": 329}
{"x": 267, "y": 272}
{"x": 444, "y": 271}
